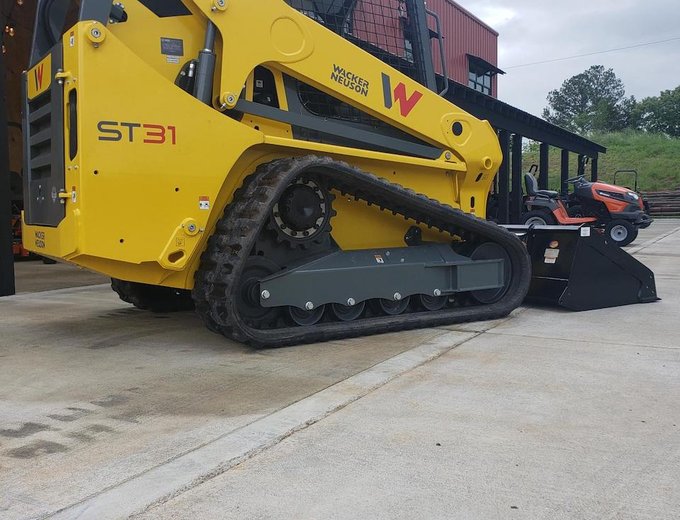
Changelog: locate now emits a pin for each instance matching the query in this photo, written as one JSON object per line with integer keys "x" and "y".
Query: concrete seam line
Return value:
{"x": 172, "y": 478}
{"x": 645, "y": 245}
{"x": 596, "y": 342}
{"x": 501, "y": 321}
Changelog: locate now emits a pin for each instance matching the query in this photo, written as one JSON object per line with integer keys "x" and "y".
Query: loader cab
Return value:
{"x": 52, "y": 16}
{"x": 333, "y": 14}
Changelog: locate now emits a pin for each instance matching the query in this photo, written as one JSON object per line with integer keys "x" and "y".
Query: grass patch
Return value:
{"x": 655, "y": 157}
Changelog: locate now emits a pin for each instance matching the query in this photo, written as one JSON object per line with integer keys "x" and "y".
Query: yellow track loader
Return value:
{"x": 288, "y": 168}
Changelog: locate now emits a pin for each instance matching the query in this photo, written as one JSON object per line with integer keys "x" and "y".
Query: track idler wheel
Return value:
{"x": 492, "y": 251}
{"x": 248, "y": 291}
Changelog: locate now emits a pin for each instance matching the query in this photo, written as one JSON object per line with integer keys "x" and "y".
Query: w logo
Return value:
{"x": 38, "y": 75}
{"x": 398, "y": 95}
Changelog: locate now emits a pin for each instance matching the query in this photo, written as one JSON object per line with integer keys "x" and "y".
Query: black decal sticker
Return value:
{"x": 172, "y": 47}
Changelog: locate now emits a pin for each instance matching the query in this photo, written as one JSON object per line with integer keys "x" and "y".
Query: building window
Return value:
{"x": 480, "y": 80}
{"x": 480, "y": 74}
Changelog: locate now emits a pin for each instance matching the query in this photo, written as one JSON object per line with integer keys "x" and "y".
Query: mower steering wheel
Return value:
{"x": 574, "y": 180}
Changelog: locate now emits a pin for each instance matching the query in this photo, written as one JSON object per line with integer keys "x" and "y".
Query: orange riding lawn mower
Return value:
{"x": 617, "y": 212}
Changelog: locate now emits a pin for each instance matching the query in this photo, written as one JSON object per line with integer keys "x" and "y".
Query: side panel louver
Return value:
{"x": 43, "y": 134}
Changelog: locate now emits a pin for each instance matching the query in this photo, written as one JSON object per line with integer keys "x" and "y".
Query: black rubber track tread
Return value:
{"x": 152, "y": 298}
{"x": 243, "y": 220}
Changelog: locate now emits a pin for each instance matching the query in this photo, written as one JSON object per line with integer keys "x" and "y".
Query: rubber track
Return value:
{"x": 154, "y": 298}
{"x": 237, "y": 230}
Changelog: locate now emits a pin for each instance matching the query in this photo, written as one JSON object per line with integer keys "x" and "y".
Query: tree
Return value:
{"x": 594, "y": 100}
{"x": 660, "y": 114}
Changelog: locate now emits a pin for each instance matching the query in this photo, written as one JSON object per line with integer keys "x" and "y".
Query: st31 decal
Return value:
{"x": 134, "y": 132}
{"x": 399, "y": 96}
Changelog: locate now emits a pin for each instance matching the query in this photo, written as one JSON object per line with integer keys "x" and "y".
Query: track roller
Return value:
{"x": 347, "y": 312}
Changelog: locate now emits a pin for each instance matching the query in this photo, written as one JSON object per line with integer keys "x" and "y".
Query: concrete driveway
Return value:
{"x": 109, "y": 412}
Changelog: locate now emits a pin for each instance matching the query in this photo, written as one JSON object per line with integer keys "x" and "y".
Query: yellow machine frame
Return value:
{"x": 155, "y": 167}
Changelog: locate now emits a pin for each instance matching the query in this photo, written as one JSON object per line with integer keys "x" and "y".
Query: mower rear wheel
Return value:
{"x": 538, "y": 218}
{"x": 621, "y": 232}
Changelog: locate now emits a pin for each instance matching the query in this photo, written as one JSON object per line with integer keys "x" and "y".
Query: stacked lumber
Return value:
{"x": 663, "y": 203}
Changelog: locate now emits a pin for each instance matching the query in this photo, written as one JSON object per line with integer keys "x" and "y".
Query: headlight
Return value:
{"x": 611, "y": 194}
{"x": 633, "y": 196}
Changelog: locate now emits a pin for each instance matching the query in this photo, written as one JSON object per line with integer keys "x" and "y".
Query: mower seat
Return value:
{"x": 532, "y": 188}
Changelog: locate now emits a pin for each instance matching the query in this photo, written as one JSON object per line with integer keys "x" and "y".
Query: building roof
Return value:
{"x": 472, "y": 16}
{"x": 482, "y": 63}
{"x": 506, "y": 117}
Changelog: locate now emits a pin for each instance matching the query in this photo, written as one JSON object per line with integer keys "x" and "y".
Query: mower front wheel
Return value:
{"x": 621, "y": 232}
{"x": 538, "y": 218}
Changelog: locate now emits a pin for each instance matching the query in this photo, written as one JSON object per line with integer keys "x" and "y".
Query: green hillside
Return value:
{"x": 654, "y": 156}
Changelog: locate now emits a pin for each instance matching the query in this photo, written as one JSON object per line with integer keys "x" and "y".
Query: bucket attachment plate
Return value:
{"x": 577, "y": 268}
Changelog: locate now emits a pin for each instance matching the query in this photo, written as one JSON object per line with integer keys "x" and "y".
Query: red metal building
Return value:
{"x": 471, "y": 47}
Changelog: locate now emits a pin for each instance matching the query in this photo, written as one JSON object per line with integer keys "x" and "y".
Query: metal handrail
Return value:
{"x": 442, "y": 52}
